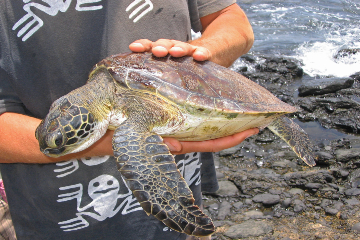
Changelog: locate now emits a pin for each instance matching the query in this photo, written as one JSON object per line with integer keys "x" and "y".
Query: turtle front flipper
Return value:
{"x": 151, "y": 174}
{"x": 295, "y": 137}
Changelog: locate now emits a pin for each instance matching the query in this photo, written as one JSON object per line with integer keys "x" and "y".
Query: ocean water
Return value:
{"x": 310, "y": 31}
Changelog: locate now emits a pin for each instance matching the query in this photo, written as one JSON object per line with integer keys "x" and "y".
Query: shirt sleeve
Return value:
{"x": 201, "y": 8}
{"x": 9, "y": 100}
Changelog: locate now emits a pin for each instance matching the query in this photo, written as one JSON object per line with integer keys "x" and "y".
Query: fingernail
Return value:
{"x": 161, "y": 48}
{"x": 200, "y": 55}
{"x": 136, "y": 45}
{"x": 177, "y": 49}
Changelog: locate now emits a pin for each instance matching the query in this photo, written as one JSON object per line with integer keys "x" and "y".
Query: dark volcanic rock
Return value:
{"x": 224, "y": 210}
{"x": 347, "y": 52}
{"x": 273, "y": 186}
{"x": 249, "y": 228}
{"x": 267, "y": 199}
{"x": 273, "y": 70}
{"x": 337, "y": 102}
{"x": 353, "y": 192}
{"x": 324, "y": 85}
{"x": 356, "y": 76}
{"x": 355, "y": 178}
{"x": 301, "y": 179}
{"x": 299, "y": 205}
{"x": 345, "y": 155}
{"x": 356, "y": 227}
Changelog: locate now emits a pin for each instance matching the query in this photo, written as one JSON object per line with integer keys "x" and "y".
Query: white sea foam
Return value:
{"x": 319, "y": 57}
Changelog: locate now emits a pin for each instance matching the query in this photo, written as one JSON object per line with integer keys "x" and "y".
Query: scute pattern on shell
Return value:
{"x": 179, "y": 79}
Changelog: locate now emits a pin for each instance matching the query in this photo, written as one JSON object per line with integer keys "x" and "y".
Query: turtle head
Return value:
{"x": 67, "y": 128}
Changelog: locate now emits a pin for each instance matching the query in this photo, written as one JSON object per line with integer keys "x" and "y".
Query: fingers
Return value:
{"x": 214, "y": 145}
{"x": 163, "y": 47}
{"x": 141, "y": 45}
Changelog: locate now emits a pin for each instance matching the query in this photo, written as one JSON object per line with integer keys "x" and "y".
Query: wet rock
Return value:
{"x": 313, "y": 186}
{"x": 307, "y": 104}
{"x": 339, "y": 102}
{"x": 348, "y": 52}
{"x": 325, "y": 203}
{"x": 276, "y": 70}
{"x": 349, "y": 125}
{"x": 249, "y": 228}
{"x": 323, "y": 157}
{"x": 345, "y": 155}
{"x": 325, "y": 85}
{"x": 356, "y": 76}
{"x": 355, "y": 178}
{"x": 331, "y": 211}
{"x": 281, "y": 65}
{"x": 224, "y": 210}
{"x": 248, "y": 201}
{"x": 267, "y": 199}
{"x": 286, "y": 203}
{"x": 295, "y": 191}
{"x": 356, "y": 227}
{"x": 338, "y": 205}
{"x": 300, "y": 179}
{"x": 256, "y": 181}
{"x": 242, "y": 69}
{"x": 254, "y": 214}
{"x": 299, "y": 205}
{"x": 238, "y": 205}
{"x": 214, "y": 206}
{"x": 222, "y": 223}
{"x": 352, "y": 202}
{"x": 227, "y": 188}
{"x": 352, "y": 192}
{"x": 284, "y": 164}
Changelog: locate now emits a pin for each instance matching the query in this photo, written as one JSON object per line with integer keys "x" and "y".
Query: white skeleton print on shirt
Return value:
{"x": 104, "y": 191}
{"x": 30, "y": 23}
{"x": 107, "y": 197}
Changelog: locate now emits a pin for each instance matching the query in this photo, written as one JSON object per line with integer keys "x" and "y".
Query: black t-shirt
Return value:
{"x": 47, "y": 49}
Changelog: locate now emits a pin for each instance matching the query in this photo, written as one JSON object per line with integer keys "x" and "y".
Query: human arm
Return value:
{"x": 19, "y": 145}
{"x": 229, "y": 27}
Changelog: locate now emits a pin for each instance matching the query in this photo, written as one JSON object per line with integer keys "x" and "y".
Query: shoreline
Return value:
{"x": 266, "y": 192}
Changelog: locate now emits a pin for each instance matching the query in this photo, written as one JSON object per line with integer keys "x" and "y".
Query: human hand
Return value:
{"x": 176, "y": 147}
{"x": 175, "y": 48}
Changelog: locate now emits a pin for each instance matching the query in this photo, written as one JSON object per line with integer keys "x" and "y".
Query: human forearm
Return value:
{"x": 227, "y": 34}
{"x": 19, "y": 145}
{"x": 18, "y": 142}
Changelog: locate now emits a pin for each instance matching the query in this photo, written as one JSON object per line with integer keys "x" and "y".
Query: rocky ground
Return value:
{"x": 266, "y": 192}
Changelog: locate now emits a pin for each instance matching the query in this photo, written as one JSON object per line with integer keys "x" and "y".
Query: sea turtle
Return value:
{"x": 142, "y": 98}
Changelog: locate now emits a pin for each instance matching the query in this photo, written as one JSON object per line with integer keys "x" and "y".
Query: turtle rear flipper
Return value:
{"x": 151, "y": 174}
{"x": 295, "y": 137}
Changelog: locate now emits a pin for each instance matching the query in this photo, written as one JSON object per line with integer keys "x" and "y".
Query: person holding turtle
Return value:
{"x": 47, "y": 50}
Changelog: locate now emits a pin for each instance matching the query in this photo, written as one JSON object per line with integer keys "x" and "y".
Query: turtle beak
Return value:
{"x": 53, "y": 152}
